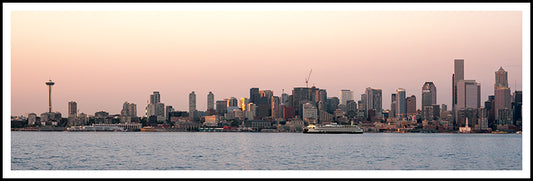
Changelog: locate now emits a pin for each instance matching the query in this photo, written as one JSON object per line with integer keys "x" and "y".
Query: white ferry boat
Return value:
{"x": 333, "y": 128}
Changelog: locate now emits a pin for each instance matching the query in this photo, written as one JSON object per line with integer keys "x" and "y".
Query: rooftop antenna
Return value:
{"x": 307, "y": 79}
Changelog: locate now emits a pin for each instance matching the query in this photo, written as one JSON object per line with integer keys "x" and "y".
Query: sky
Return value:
{"x": 103, "y": 58}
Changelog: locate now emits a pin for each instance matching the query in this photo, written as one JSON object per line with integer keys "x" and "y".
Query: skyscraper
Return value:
{"x": 411, "y": 105}
{"x": 402, "y": 102}
{"x": 458, "y": 74}
{"x": 300, "y": 95}
{"x": 72, "y": 109}
{"x": 429, "y": 94}
{"x": 468, "y": 94}
{"x": 192, "y": 104}
{"x": 502, "y": 92}
{"x": 155, "y": 107}
{"x": 155, "y": 97}
{"x": 373, "y": 101}
{"x": 394, "y": 105}
{"x": 500, "y": 78}
{"x": 210, "y": 101}
{"x": 345, "y": 96}
{"x": 254, "y": 95}
{"x": 72, "y": 113}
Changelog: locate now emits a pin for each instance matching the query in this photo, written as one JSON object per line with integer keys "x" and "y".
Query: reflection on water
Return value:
{"x": 263, "y": 151}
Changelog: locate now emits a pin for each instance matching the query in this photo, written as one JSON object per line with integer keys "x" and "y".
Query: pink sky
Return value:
{"x": 102, "y": 59}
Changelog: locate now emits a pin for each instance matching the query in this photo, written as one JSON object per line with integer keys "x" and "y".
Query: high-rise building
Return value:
{"x": 394, "y": 105}
{"x": 373, "y": 101}
{"x": 132, "y": 109}
{"x": 345, "y": 96}
{"x": 250, "y": 111}
{"x": 300, "y": 95}
{"x": 402, "y": 102}
{"x": 285, "y": 98}
{"x": 125, "y": 115}
{"x": 309, "y": 111}
{"x": 243, "y": 102}
{"x": 72, "y": 109}
{"x": 351, "y": 108}
{"x": 332, "y": 104}
{"x": 458, "y": 74}
{"x": 192, "y": 102}
{"x": 517, "y": 108}
{"x": 411, "y": 105}
{"x": 277, "y": 112}
{"x": 500, "y": 78}
{"x": 72, "y": 113}
{"x": 155, "y": 97}
{"x": 429, "y": 94}
{"x": 468, "y": 94}
{"x": 221, "y": 107}
{"x": 502, "y": 92}
{"x": 254, "y": 95}
{"x": 210, "y": 101}
{"x": 155, "y": 107}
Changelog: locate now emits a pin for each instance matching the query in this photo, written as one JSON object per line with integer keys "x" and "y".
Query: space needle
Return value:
{"x": 50, "y": 84}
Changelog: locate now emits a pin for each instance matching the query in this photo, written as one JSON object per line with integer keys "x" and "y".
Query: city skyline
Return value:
{"x": 267, "y": 50}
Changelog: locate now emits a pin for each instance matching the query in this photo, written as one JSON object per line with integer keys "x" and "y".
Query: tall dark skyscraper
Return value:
{"x": 50, "y": 84}
{"x": 254, "y": 95}
{"x": 300, "y": 97}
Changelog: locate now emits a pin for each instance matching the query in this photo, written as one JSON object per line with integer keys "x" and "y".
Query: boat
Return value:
{"x": 333, "y": 128}
{"x": 148, "y": 129}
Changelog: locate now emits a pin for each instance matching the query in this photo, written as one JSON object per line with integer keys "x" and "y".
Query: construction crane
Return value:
{"x": 307, "y": 79}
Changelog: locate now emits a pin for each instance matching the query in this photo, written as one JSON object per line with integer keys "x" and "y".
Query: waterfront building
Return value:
{"x": 125, "y": 115}
{"x": 345, "y": 95}
{"x": 155, "y": 107}
{"x": 310, "y": 113}
{"x": 411, "y": 105}
{"x": 32, "y": 119}
{"x": 210, "y": 100}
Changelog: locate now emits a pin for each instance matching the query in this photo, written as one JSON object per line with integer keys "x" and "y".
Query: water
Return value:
{"x": 263, "y": 151}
